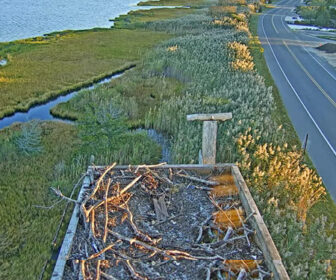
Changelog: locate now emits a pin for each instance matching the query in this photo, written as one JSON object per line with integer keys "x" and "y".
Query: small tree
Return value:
{"x": 101, "y": 129}
{"x": 29, "y": 139}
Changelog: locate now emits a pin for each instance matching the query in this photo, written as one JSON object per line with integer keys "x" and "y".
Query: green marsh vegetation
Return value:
{"x": 66, "y": 61}
{"x": 136, "y": 19}
{"x": 188, "y": 3}
{"x": 192, "y": 72}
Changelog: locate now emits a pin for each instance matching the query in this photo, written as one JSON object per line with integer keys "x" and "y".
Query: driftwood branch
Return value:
{"x": 61, "y": 195}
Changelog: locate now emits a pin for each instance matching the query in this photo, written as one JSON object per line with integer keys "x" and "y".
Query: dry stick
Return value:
{"x": 219, "y": 275}
{"x": 99, "y": 181}
{"x": 163, "y": 178}
{"x": 260, "y": 270}
{"x": 123, "y": 256}
{"x": 228, "y": 233}
{"x": 109, "y": 277}
{"x": 83, "y": 209}
{"x": 53, "y": 242}
{"x": 148, "y": 166}
{"x": 209, "y": 270}
{"x": 171, "y": 254}
{"x": 106, "y": 211}
{"x": 134, "y": 274}
{"x": 60, "y": 194}
{"x": 196, "y": 179}
{"x": 245, "y": 233}
{"x": 134, "y": 240}
{"x": 49, "y": 207}
{"x": 130, "y": 185}
{"x": 98, "y": 270}
{"x": 221, "y": 242}
{"x": 137, "y": 232}
{"x": 99, "y": 203}
{"x": 221, "y": 210}
{"x": 66, "y": 208}
{"x": 82, "y": 263}
{"x": 93, "y": 223}
{"x": 203, "y": 188}
{"x": 93, "y": 256}
{"x": 249, "y": 216}
{"x": 242, "y": 274}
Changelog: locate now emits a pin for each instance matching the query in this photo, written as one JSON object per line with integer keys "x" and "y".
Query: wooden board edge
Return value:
{"x": 71, "y": 230}
{"x": 265, "y": 241}
{"x": 182, "y": 166}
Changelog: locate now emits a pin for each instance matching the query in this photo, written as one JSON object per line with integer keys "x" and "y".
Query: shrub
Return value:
{"x": 29, "y": 139}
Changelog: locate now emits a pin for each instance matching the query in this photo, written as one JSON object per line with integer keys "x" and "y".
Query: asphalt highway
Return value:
{"x": 307, "y": 84}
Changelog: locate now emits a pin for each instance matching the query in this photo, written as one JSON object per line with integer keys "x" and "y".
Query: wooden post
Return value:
{"x": 209, "y": 136}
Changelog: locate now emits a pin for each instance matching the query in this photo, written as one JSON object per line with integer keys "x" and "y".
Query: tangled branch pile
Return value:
{"x": 162, "y": 223}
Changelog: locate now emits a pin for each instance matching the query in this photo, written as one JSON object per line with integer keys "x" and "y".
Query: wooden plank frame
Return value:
{"x": 262, "y": 236}
{"x": 71, "y": 230}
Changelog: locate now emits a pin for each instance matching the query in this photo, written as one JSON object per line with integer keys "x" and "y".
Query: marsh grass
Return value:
{"x": 189, "y": 3}
{"x": 136, "y": 19}
{"x": 66, "y": 63}
{"x": 26, "y": 231}
{"x": 132, "y": 94}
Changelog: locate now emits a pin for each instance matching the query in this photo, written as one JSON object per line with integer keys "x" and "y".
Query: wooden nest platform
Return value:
{"x": 167, "y": 222}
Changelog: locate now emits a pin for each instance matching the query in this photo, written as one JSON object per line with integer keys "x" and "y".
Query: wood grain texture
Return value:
{"x": 70, "y": 233}
{"x": 209, "y": 139}
{"x": 264, "y": 239}
{"x": 210, "y": 117}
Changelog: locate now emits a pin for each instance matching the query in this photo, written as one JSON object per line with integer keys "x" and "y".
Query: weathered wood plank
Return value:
{"x": 209, "y": 139}
{"x": 272, "y": 256}
{"x": 210, "y": 117}
{"x": 206, "y": 167}
{"x": 70, "y": 233}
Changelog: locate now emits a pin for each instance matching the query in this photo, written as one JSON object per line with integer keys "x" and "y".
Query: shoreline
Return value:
{"x": 132, "y": 6}
{"x": 49, "y": 96}
{"x": 70, "y": 90}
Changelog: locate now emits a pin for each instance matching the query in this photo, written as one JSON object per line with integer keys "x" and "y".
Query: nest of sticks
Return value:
{"x": 147, "y": 222}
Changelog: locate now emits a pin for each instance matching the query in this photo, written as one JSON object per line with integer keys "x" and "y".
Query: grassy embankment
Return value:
{"x": 218, "y": 77}
{"x": 62, "y": 151}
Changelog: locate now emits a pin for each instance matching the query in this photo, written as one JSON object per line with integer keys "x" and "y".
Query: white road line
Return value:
{"x": 310, "y": 76}
{"x": 331, "y": 75}
{"x": 276, "y": 30}
{"x": 295, "y": 92}
{"x": 285, "y": 25}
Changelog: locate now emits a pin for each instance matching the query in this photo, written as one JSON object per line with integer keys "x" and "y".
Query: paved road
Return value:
{"x": 307, "y": 84}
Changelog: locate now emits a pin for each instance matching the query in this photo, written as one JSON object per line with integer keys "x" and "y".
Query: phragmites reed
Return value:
{"x": 280, "y": 169}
